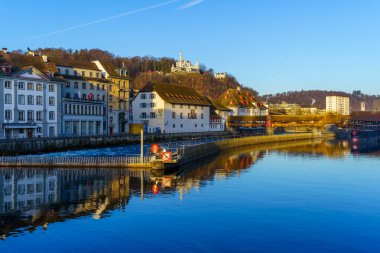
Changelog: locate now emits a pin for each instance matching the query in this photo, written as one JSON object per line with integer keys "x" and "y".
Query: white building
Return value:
{"x": 362, "y": 106}
{"x": 184, "y": 66}
{"x": 30, "y": 104}
{"x": 219, "y": 115}
{"x": 84, "y": 100}
{"x": 242, "y": 103}
{"x": 338, "y": 104}
{"x": 169, "y": 108}
{"x": 221, "y": 75}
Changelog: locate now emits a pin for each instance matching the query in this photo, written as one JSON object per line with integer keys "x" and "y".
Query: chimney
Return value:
{"x": 44, "y": 58}
{"x": 4, "y": 50}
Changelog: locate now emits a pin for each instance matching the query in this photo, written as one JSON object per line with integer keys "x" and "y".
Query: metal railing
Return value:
{"x": 74, "y": 161}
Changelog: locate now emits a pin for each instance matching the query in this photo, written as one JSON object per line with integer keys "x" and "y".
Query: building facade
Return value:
{"x": 84, "y": 101}
{"x": 338, "y": 104}
{"x": 30, "y": 104}
{"x": 242, "y": 103}
{"x": 165, "y": 108}
{"x": 119, "y": 91}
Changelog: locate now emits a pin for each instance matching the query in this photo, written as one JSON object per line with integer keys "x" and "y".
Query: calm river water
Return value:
{"x": 295, "y": 197}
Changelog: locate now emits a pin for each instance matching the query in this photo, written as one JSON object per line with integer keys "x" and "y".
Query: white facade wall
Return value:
{"x": 82, "y": 116}
{"x": 45, "y": 115}
{"x": 169, "y": 118}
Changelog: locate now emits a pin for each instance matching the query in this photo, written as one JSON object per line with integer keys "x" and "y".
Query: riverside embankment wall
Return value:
{"x": 196, "y": 152}
{"x": 32, "y": 146}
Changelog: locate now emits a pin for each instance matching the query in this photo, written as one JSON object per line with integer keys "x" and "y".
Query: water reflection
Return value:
{"x": 34, "y": 198}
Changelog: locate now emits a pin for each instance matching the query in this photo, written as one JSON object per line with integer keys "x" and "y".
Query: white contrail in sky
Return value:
{"x": 190, "y": 4}
{"x": 99, "y": 21}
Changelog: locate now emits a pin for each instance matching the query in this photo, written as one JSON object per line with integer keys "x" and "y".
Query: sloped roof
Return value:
{"x": 74, "y": 63}
{"x": 365, "y": 116}
{"x": 20, "y": 61}
{"x": 237, "y": 98}
{"x": 218, "y": 106}
{"x": 175, "y": 94}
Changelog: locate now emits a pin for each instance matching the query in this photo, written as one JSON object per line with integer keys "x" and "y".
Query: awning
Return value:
{"x": 19, "y": 125}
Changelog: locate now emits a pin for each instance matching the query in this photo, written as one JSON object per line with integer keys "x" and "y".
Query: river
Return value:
{"x": 307, "y": 196}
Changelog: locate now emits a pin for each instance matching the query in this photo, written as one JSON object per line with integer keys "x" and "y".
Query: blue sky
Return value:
{"x": 269, "y": 45}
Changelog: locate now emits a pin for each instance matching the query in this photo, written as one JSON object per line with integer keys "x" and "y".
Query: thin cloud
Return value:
{"x": 190, "y": 4}
{"x": 155, "y": 6}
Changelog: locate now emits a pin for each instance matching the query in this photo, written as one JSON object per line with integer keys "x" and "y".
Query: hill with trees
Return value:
{"x": 147, "y": 68}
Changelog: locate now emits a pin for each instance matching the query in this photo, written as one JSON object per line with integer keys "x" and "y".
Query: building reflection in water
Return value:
{"x": 33, "y": 198}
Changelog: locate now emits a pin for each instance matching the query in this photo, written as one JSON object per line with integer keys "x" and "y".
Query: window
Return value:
{"x": 30, "y": 115}
{"x": 91, "y": 86}
{"x": 152, "y": 115}
{"x": 103, "y": 87}
{"x": 67, "y": 85}
{"x": 84, "y": 86}
{"x": 8, "y": 98}
{"x": 39, "y": 100}
{"x": 75, "y": 73}
{"x": 110, "y": 88}
{"x": 76, "y": 85}
{"x": 195, "y": 125}
{"x": 143, "y": 96}
{"x": 143, "y": 115}
{"x": 173, "y": 115}
{"x": 201, "y": 115}
{"x": 67, "y": 95}
{"x": 173, "y": 125}
{"x": 39, "y": 87}
{"x": 51, "y": 88}
{"x": 30, "y": 100}
{"x": 83, "y": 73}
{"x": 30, "y": 86}
{"x": 21, "y": 115}
{"x": 8, "y": 85}
{"x": 39, "y": 115}
{"x": 111, "y": 108}
{"x": 181, "y": 115}
{"x": 8, "y": 114}
{"x": 181, "y": 125}
{"x": 143, "y": 105}
{"x": 39, "y": 130}
{"x": 84, "y": 96}
{"x": 152, "y": 96}
{"x": 51, "y": 115}
{"x": 98, "y": 87}
{"x": 21, "y": 99}
{"x": 110, "y": 98}
{"x": 51, "y": 101}
{"x": 67, "y": 72}
{"x": 21, "y": 86}
{"x": 152, "y": 105}
{"x": 173, "y": 105}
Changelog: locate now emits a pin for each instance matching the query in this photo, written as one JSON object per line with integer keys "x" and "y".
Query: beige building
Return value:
{"x": 338, "y": 104}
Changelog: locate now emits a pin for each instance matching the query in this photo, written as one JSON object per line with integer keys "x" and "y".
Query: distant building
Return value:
{"x": 362, "y": 106}
{"x": 166, "y": 108}
{"x": 221, "y": 76}
{"x": 242, "y": 103}
{"x": 338, "y": 104}
{"x": 376, "y": 105}
{"x": 184, "y": 66}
